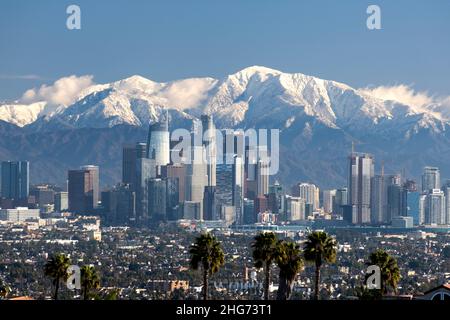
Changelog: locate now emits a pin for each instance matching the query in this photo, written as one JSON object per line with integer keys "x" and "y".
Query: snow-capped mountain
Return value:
{"x": 319, "y": 119}
{"x": 21, "y": 114}
{"x": 255, "y": 96}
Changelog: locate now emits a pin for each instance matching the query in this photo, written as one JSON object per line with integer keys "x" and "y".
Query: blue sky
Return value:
{"x": 168, "y": 40}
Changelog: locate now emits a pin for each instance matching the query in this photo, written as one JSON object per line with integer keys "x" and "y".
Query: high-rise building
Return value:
{"x": 430, "y": 179}
{"x": 94, "y": 178}
{"x": 341, "y": 199}
{"x": 413, "y": 205}
{"x": 196, "y": 177}
{"x": 250, "y": 180}
{"x": 119, "y": 204}
{"x": 249, "y": 211}
{"x": 411, "y": 201}
{"x": 347, "y": 213}
{"x": 83, "y": 187}
{"x": 145, "y": 170}
{"x": 422, "y": 206}
{"x": 238, "y": 188}
{"x": 178, "y": 172}
{"x": 378, "y": 201}
{"x": 262, "y": 176}
{"x": 310, "y": 193}
{"x": 230, "y": 187}
{"x": 128, "y": 164}
{"x": 446, "y": 190}
{"x": 209, "y": 141}
{"x": 173, "y": 198}
{"x": 210, "y": 206}
{"x": 130, "y": 154}
{"x": 361, "y": 172}
{"x": 15, "y": 179}
{"x": 224, "y": 185}
{"x": 157, "y": 199}
{"x": 394, "y": 197}
{"x": 158, "y": 143}
{"x": 328, "y": 200}
{"x": 276, "y": 201}
{"x": 295, "y": 208}
{"x": 435, "y": 207}
{"x": 137, "y": 170}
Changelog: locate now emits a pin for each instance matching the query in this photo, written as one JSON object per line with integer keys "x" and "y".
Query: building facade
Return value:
{"x": 15, "y": 179}
{"x": 361, "y": 172}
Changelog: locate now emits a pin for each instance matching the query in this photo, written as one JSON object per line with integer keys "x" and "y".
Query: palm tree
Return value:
{"x": 89, "y": 280}
{"x": 207, "y": 253}
{"x": 319, "y": 248}
{"x": 56, "y": 268}
{"x": 290, "y": 262}
{"x": 264, "y": 248}
{"x": 390, "y": 273}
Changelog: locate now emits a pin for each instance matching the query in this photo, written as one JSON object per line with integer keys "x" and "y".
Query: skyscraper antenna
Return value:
{"x": 353, "y": 147}
{"x": 382, "y": 167}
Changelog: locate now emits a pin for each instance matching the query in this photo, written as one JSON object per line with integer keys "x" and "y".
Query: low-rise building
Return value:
{"x": 19, "y": 214}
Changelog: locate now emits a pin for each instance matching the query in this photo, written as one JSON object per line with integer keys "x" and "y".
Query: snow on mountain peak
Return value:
{"x": 135, "y": 84}
{"x": 249, "y": 71}
{"x": 20, "y": 114}
{"x": 254, "y": 96}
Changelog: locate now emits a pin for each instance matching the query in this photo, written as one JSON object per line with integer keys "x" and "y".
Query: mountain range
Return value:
{"x": 318, "y": 119}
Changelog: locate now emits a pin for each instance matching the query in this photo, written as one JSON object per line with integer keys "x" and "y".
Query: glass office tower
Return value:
{"x": 15, "y": 181}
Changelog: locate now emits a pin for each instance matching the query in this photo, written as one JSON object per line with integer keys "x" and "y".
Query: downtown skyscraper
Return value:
{"x": 310, "y": 193}
{"x": 209, "y": 141}
{"x": 431, "y": 179}
{"x": 434, "y": 199}
{"x": 196, "y": 172}
{"x": 434, "y": 208}
{"x": 361, "y": 172}
{"x": 158, "y": 143}
{"x": 15, "y": 179}
{"x": 378, "y": 201}
{"x": 83, "y": 189}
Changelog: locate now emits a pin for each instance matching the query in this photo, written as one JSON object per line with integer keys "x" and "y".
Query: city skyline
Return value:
{"x": 157, "y": 187}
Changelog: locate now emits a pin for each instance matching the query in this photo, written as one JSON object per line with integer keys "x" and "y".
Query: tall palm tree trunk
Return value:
{"x": 285, "y": 288}
{"x": 55, "y": 296}
{"x": 290, "y": 285}
{"x": 282, "y": 290}
{"x": 317, "y": 283}
{"x": 85, "y": 296}
{"x": 205, "y": 284}
{"x": 266, "y": 281}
